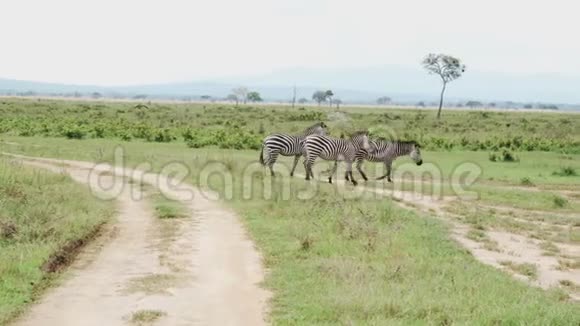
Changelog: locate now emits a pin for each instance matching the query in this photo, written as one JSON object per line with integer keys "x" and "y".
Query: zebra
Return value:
{"x": 386, "y": 152}
{"x": 287, "y": 145}
{"x": 335, "y": 149}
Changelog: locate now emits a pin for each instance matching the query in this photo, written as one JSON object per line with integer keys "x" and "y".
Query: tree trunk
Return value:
{"x": 441, "y": 101}
{"x": 294, "y": 96}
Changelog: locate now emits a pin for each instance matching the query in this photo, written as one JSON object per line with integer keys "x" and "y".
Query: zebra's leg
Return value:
{"x": 308, "y": 161}
{"x": 388, "y": 166}
{"x": 333, "y": 171}
{"x": 349, "y": 172}
{"x": 296, "y": 158}
{"x": 359, "y": 168}
{"x": 272, "y": 157}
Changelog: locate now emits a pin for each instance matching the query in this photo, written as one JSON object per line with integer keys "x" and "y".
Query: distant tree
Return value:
{"x": 241, "y": 93}
{"x": 233, "y": 98}
{"x": 510, "y": 104}
{"x": 473, "y": 104}
{"x": 293, "y": 96}
{"x": 205, "y": 97}
{"x": 383, "y": 100}
{"x": 77, "y": 94}
{"x": 303, "y": 100}
{"x": 548, "y": 107}
{"x": 254, "y": 97}
{"x": 528, "y": 106}
{"x": 338, "y": 102}
{"x": 448, "y": 68}
{"x": 329, "y": 94}
{"x": 96, "y": 95}
{"x": 421, "y": 104}
{"x": 491, "y": 105}
{"x": 319, "y": 96}
{"x": 140, "y": 97}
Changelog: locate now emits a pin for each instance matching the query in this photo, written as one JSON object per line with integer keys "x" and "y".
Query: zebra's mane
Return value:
{"x": 398, "y": 141}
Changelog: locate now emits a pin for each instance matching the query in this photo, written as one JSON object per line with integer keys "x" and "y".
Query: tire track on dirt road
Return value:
{"x": 206, "y": 273}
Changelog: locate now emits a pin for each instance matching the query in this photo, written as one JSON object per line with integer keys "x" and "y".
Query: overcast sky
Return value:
{"x": 119, "y": 42}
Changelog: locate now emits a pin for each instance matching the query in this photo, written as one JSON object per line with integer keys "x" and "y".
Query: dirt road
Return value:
{"x": 200, "y": 270}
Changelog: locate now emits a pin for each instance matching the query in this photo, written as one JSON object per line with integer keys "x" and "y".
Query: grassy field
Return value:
{"x": 334, "y": 260}
{"x": 225, "y": 126}
{"x": 338, "y": 260}
{"x": 43, "y": 218}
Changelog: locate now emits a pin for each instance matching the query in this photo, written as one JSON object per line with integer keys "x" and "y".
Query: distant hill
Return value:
{"x": 360, "y": 85}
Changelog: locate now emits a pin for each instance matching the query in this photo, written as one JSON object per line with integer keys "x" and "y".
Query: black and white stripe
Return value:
{"x": 334, "y": 149}
{"x": 287, "y": 145}
{"x": 386, "y": 152}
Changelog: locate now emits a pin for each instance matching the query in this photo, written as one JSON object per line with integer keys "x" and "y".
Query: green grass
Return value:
{"x": 41, "y": 215}
{"x": 339, "y": 261}
{"x": 166, "y": 208}
{"x": 526, "y": 269}
{"x": 146, "y": 317}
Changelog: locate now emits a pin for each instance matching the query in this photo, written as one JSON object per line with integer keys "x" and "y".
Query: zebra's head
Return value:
{"x": 416, "y": 153}
{"x": 361, "y": 140}
{"x": 316, "y": 129}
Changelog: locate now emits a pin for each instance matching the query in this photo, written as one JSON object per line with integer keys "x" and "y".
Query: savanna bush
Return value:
{"x": 565, "y": 171}
{"x": 504, "y": 156}
{"x": 74, "y": 133}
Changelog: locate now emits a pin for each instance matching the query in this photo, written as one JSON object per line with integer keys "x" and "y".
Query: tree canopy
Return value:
{"x": 447, "y": 67}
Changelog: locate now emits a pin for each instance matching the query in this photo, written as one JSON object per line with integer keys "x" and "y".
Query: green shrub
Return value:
{"x": 559, "y": 201}
{"x": 504, "y": 156}
{"x": 525, "y": 181}
{"x": 507, "y": 156}
{"x": 162, "y": 136}
{"x": 565, "y": 171}
{"x": 74, "y": 133}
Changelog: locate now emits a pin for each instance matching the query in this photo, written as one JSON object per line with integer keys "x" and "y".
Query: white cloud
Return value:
{"x": 122, "y": 42}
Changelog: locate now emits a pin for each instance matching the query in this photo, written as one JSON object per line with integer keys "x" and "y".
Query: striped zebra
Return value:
{"x": 287, "y": 145}
{"x": 386, "y": 152}
{"x": 335, "y": 149}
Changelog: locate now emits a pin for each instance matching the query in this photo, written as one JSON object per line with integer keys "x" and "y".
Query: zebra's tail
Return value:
{"x": 262, "y": 155}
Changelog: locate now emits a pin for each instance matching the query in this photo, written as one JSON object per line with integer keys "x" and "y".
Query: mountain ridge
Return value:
{"x": 363, "y": 84}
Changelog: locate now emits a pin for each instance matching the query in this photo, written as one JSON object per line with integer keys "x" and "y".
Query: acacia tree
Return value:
{"x": 448, "y": 68}
{"x": 383, "y": 100}
{"x": 233, "y": 98}
{"x": 254, "y": 97}
{"x": 319, "y": 96}
{"x": 241, "y": 93}
{"x": 329, "y": 94}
